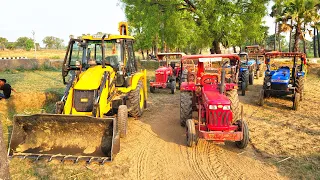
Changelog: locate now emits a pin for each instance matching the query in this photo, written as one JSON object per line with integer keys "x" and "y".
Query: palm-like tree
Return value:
{"x": 301, "y": 13}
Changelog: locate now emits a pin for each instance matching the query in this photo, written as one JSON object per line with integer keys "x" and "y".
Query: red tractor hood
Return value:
{"x": 163, "y": 69}
{"x": 215, "y": 98}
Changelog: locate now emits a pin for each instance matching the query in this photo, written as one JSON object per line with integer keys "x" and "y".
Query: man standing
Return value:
{"x": 6, "y": 88}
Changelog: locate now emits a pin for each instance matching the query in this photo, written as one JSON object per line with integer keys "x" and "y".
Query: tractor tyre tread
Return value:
{"x": 300, "y": 86}
{"x": 185, "y": 107}
{"x": 244, "y": 142}
{"x": 122, "y": 120}
{"x": 251, "y": 77}
{"x": 191, "y": 132}
{"x": 235, "y": 104}
{"x": 134, "y": 101}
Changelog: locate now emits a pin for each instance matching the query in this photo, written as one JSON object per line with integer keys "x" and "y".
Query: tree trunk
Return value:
{"x": 296, "y": 38}
{"x": 216, "y": 47}
{"x": 275, "y": 36}
{"x": 290, "y": 36}
{"x": 234, "y": 49}
{"x": 304, "y": 40}
{"x": 315, "y": 43}
{"x": 318, "y": 39}
{"x": 142, "y": 53}
{"x": 4, "y": 164}
{"x": 147, "y": 53}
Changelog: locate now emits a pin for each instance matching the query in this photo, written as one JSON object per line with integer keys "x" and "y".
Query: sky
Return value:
{"x": 61, "y": 18}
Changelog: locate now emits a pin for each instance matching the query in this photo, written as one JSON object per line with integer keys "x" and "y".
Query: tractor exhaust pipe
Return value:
{"x": 103, "y": 51}
{"x": 223, "y": 75}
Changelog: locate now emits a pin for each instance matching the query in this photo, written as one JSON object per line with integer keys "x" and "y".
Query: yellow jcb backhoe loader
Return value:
{"x": 103, "y": 86}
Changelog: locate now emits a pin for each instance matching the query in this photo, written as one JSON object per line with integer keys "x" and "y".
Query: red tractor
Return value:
{"x": 214, "y": 96}
{"x": 168, "y": 72}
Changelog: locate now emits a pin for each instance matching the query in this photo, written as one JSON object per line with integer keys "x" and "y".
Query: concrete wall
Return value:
{"x": 28, "y": 63}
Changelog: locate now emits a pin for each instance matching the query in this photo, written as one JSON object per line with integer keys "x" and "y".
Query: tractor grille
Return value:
{"x": 219, "y": 118}
{"x": 279, "y": 86}
{"x": 83, "y": 100}
{"x": 160, "y": 78}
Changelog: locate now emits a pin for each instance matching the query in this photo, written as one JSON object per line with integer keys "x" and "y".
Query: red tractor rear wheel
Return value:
{"x": 190, "y": 132}
{"x": 244, "y": 142}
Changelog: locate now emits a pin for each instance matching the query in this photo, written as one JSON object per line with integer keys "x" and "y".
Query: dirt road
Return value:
{"x": 155, "y": 149}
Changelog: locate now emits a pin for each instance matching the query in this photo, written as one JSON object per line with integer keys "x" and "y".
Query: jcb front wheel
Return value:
{"x": 136, "y": 100}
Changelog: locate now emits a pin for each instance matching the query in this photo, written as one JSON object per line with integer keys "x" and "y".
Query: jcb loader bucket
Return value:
{"x": 64, "y": 137}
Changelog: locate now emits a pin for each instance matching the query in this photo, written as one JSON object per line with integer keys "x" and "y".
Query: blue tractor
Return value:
{"x": 282, "y": 80}
{"x": 246, "y": 73}
{"x": 257, "y": 54}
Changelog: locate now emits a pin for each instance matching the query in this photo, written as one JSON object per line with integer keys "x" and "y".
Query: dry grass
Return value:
{"x": 277, "y": 132}
{"x": 41, "y": 54}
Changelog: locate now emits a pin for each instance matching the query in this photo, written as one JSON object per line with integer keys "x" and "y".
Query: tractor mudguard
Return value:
{"x": 187, "y": 86}
{"x": 134, "y": 82}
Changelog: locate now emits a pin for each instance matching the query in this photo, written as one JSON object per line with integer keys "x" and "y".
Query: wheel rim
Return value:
{"x": 141, "y": 98}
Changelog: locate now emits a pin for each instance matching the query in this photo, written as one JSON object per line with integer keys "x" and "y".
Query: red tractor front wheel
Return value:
{"x": 190, "y": 132}
{"x": 245, "y": 140}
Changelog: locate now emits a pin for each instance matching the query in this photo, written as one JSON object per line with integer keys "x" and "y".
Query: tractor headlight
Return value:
{"x": 289, "y": 85}
{"x": 226, "y": 107}
{"x": 268, "y": 84}
{"x": 213, "y": 107}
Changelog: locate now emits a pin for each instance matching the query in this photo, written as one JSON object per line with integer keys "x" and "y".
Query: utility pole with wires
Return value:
{"x": 34, "y": 42}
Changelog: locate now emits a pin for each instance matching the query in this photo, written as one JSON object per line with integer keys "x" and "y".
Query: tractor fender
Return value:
{"x": 187, "y": 86}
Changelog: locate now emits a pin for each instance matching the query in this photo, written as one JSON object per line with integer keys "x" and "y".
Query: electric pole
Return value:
{"x": 34, "y": 43}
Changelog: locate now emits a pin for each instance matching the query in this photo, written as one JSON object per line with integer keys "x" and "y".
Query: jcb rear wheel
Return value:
{"x": 136, "y": 101}
{"x": 185, "y": 107}
{"x": 122, "y": 120}
{"x": 244, "y": 142}
{"x": 235, "y": 104}
{"x": 190, "y": 132}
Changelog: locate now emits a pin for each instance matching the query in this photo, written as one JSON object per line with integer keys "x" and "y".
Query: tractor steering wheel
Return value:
{"x": 209, "y": 79}
{"x": 274, "y": 66}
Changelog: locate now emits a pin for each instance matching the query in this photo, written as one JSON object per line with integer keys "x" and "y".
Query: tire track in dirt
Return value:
{"x": 155, "y": 149}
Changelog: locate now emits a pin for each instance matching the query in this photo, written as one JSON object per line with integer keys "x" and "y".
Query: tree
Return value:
{"x": 301, "y": 13}
{"x": 25, "y": 43}
{"x": 52, "y": 42}
{"x": 193, "y": 25}
{"x": 3, "y": 42}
